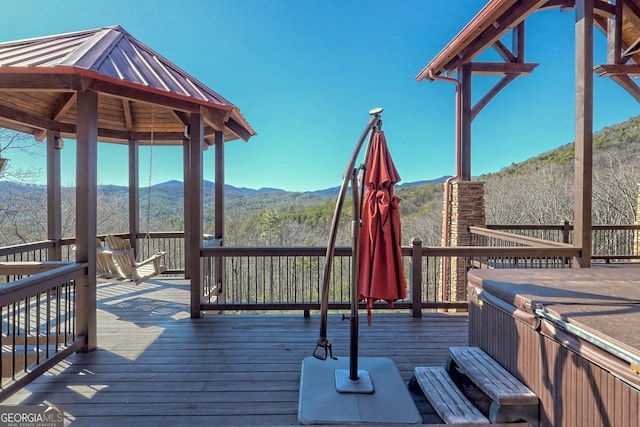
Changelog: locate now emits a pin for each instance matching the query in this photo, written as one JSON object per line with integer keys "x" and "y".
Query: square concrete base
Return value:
{"x": 321, "y": 403}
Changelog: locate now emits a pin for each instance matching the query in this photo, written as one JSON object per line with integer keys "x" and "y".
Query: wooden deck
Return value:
{"x": 157, "y": 366}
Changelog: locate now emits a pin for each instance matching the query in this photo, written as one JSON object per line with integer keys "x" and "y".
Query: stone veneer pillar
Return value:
{"x": 467, "y": 209}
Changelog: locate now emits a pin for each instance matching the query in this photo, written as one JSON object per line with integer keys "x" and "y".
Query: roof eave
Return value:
{"x": 479, "y": 23}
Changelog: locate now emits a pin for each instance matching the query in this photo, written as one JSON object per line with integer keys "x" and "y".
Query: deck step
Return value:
{"x": 445, "y": 397}
{"x": 511, "y": 399}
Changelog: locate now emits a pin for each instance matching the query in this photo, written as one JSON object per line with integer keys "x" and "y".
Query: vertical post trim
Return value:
{"x": 54, "y": 196}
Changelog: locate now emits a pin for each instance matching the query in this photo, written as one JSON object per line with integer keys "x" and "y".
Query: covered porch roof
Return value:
{"x": 140, "y": 93}
{"x": 499, "y": 17}
{"x": 619, "y": 20}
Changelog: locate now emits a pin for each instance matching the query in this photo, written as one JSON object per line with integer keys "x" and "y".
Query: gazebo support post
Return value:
{"x": 194, "y": 211}
{"x": 186, "y": 158}
{"x": 219, "y": 211}
{"x": 86, "y": 228}
{"x": 54, "y": 195}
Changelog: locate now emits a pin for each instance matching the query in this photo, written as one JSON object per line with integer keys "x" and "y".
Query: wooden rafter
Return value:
{"x": 504, "y": 51}
{"x": 509, "y": 20}
{"x": 126, "y": 108}
{"x": 604, "y": 9}
{"x": 237, "y": 129}
{"x": 34, "y": 120}
{"x": 63, "y": 102}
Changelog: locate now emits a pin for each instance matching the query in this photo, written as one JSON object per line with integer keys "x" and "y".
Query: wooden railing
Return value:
{"x": 38, "y": 313}
{"x": 38, "y": 297}
{"x": 290, "y": 278}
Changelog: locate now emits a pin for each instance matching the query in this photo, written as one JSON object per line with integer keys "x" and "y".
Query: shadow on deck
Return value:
{"x": 156, "y": 366}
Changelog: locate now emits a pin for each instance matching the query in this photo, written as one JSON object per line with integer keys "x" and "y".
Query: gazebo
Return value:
{"x": 105, "y": 85}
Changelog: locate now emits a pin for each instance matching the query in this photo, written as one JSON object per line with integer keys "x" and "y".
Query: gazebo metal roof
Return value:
{"x": 140, "y": 93}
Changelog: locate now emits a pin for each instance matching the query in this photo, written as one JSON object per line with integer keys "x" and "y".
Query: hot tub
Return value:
{"x": 571, "y": 335}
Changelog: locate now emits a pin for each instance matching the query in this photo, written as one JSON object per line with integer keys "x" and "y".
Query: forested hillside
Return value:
{"x": 537, "y": 191}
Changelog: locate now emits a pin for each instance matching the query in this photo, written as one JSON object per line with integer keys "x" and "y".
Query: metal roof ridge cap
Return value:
{"x": 80, "y": 57}
{"x": 188, "y": 77}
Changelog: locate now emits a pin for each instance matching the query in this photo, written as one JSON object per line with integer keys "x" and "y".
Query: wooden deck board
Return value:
{"x": 156, "y": 366}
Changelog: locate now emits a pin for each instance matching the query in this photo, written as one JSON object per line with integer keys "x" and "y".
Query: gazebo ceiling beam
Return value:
{"x": 604, "y": 9}
{"x": 215, "y": 118}
{"x": 181, "y": 116}
{"x": 142, "y": 137}
{"x": 33, "y": 120}
{"x": 237, "y": 129}
{"x": 62, "y": 104}
{"x": 631, "y": 12}
{"x": 126, "y": 111}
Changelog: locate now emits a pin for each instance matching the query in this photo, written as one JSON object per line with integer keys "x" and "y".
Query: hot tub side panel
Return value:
{"x": 573, "y": 391}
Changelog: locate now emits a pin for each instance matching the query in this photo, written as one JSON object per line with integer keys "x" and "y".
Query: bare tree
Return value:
{"x": 11, "y": 141}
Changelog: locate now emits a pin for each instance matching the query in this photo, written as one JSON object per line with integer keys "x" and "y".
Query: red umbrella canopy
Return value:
{"x": 380, "y": 274}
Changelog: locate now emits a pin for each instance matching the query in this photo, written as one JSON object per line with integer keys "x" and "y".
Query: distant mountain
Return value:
{"x": 333, "y": 191}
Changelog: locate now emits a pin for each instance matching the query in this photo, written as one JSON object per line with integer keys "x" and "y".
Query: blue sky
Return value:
{"x": 306, "y": 73}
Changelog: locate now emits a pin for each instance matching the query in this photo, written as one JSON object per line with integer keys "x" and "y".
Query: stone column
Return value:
{"x": 466, "y": 209}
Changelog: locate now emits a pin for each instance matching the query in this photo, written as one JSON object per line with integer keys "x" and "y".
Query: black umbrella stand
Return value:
{"x": 334, "y": 390}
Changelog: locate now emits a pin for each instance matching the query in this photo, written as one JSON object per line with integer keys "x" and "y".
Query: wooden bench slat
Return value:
{"x": 445, "y": 397}
{"x": 493, "y": 379}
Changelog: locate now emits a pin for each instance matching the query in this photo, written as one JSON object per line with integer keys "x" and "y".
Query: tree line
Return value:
{"x": 537, "y": 191}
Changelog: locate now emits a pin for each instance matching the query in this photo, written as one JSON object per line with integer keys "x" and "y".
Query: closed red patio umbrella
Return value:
{"x": 381, "y": 275}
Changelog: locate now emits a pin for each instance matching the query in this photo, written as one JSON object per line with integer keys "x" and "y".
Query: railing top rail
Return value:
{"x": 558, "y": 227}
{"x": 516, "y": 238}
{"x": 502, "y": 251}
{"x": 26, "y": 247}
{"x": 272, "y": 251}
{"x": 561, "y": 227}
{"x": 461, "y": 251}
{"x": 29, "y": 267}
{"x": 616, "y": 227}
{"x": 28, "y": 286}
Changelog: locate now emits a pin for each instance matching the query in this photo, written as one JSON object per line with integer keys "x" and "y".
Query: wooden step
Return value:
{"x": 511, "y": 400}
{"x": 445, "y": 397}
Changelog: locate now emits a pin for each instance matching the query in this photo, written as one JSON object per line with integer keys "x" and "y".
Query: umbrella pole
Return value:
{"x": 323, "y": 342}
{"x": 354, "y": 380}
{"x": 355, "y": 259}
